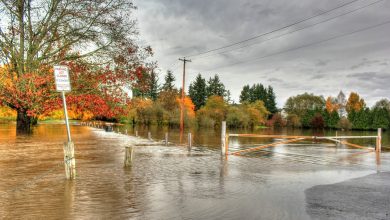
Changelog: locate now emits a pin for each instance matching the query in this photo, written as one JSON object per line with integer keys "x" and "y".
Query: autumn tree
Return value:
{"x": 331, "y": 104}
{"x": 355, "y": 103}
{"x": 34, "y": 35}
{"x": 213, "y": 113}
{"x": 141, "y": 85}
{"x": 197, "y": 91}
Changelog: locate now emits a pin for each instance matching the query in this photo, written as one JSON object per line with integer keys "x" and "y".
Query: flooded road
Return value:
{"x": 168, "y": 182}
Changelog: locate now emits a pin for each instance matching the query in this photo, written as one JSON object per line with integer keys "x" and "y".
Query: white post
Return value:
{"x": 189, "y": 141}
{"x": 136, "y": 133}
{"x": 66, "y": 117}
{"x": 379, "y": 141}
{"x": 166, "y": 139}
{"x": 223, "y": 138}
{"x": 126, "y": 131}
{"x": 149, "y": 135}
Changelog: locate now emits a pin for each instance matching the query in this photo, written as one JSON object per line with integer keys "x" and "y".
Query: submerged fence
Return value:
{"x": 287, "y": 139}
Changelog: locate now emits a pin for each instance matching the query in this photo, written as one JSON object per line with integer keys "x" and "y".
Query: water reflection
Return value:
{"x": 168, "y": 182}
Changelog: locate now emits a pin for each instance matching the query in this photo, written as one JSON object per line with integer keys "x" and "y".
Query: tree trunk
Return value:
{"x": 23, "y": 122}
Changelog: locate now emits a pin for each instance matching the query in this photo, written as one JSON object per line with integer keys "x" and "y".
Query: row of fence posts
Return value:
{"x": 129, "y": 150}
{"x": 225, "y": 140}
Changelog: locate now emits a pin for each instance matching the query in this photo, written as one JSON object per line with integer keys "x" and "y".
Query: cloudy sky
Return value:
{"x": 346, "y": 49}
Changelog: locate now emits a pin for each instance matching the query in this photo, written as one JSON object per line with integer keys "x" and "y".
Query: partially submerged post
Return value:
{"x": 189, "y": 141}
{"x": 69, "y": 161}
{"x": 223, "y": 138}
{"x": 61, "y": 75}
{"x": 378, "y": 147}
{"x": 166, "y": 139}
{"x": 149, "y": 135}
{"x": 128, "y": 156}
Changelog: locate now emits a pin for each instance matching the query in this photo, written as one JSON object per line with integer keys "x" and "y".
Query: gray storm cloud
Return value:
{"x": 357, "y": 62}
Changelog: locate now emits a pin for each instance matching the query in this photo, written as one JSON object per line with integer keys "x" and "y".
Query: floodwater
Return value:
{"x": 168, "y": 182}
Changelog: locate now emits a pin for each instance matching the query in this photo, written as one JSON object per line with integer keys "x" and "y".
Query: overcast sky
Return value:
{"x": 357, "y": 62}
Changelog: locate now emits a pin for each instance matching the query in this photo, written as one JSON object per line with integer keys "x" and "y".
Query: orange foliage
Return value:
{"x": 6, "y": 112}
{"x": 355, "y": 103}
{"x": 189, "y": 106}
{"x": 331, "y": 105}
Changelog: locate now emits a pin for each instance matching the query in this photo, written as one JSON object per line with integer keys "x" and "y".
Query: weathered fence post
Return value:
{"x": 378, "y": 147}
{"x": 136, "y": 133}
{"x": 149, "y": 135}
{"x": 223, "y": 138}
{"x": 128, "y": 156}
{"x": 166, "y": 139}
{"x": 126, "y": 131}
{"x": 69, "y": 160}
{"x": 189, "y": 141}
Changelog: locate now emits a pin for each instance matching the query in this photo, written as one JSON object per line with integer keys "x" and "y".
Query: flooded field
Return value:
{"x": 168, "y": 182}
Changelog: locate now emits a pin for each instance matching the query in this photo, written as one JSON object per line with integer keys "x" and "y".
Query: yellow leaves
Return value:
{"x": 6, "y": 112}
{"x": 73, "y": 113}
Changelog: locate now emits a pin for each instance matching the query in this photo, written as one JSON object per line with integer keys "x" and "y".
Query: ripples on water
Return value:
{"x": 164, "y": 182}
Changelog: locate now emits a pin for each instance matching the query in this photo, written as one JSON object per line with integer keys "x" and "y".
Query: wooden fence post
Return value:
{"x": 166, "y": 139}
{"x": 128, "y": 156}
{"x": 69, "y": 161}
{"x": 189, "y": 141}
{"x": 136, "y": 133}
{"x": 378, "y": 147}
{"x": 223, "y": 138}
{"x": 149, "y": 135}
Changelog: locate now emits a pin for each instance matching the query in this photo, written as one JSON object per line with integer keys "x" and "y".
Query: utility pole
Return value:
{"x": 182, "y": 94}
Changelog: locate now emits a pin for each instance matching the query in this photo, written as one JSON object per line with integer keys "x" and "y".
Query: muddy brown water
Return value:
{"x": 169, "y": 182}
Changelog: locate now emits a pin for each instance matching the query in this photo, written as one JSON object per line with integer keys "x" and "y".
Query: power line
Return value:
{"x": 278, "y": 29}
{"x": 293, "y": 31}
{"x": 306, "y": 45}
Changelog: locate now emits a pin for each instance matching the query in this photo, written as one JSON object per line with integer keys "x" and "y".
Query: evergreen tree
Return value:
{"x": 380, "y": 118}
{"x": 331, "y": 118}
{"x": 258, "y": 92}
{"x": 198, "y": 92}
{"x": 270, "y": 101}
{"x": 153, "y": 86}
{"x": 361, "y": 119}
{"x": 245, "y": 95}
{"x": 215, "y": 87}
{"x": 169, "y": 80}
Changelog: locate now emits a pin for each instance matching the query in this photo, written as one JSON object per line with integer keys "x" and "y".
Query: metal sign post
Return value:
{"x": 61, "y": 75}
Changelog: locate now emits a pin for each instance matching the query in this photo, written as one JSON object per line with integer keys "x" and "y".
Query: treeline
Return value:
{"x": 312, "y": 111}
{"x": 208, "y": 103}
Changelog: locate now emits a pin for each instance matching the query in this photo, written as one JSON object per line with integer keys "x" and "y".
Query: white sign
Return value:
{"x": 61, "y": 74}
